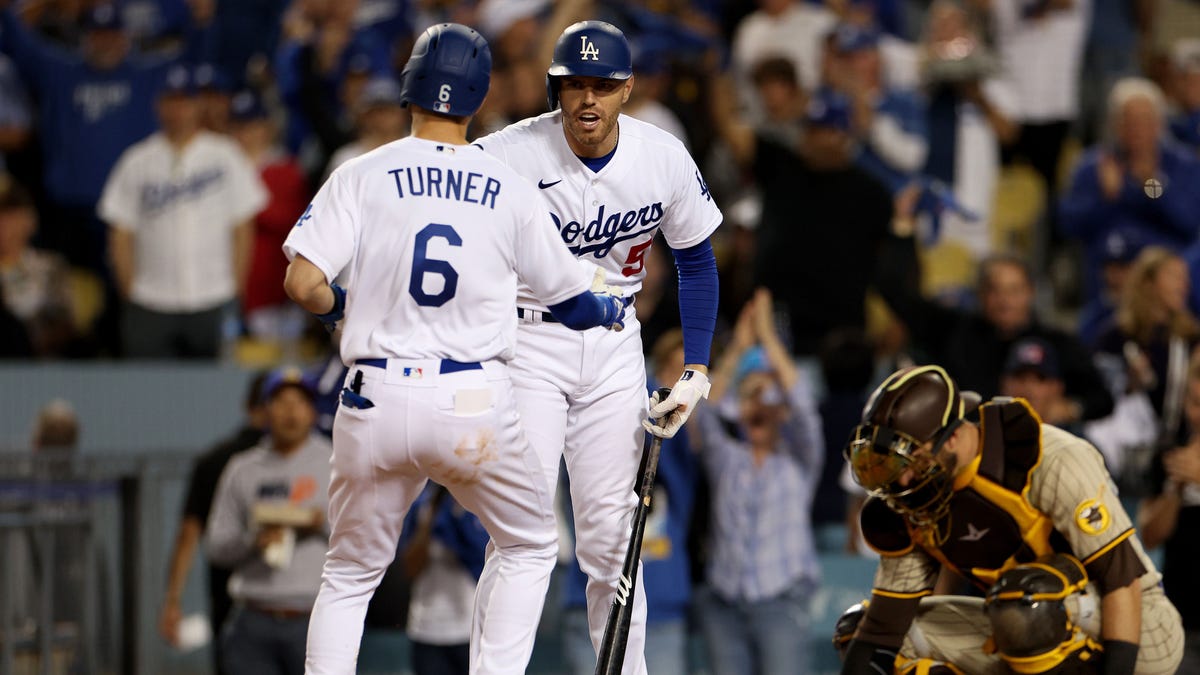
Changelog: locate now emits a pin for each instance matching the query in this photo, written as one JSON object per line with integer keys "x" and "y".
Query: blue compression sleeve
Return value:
{"x": 582, "y": 311}
{"x": 698, "y": 295}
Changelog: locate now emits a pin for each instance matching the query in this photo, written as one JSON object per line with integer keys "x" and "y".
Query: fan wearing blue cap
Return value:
{"x": 889, "y": 123}
{"x": 179, "y": 205}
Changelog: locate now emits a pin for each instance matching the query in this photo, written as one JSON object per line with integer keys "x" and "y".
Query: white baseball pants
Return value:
{"x": 461, "y": 430}
{"x": 582, "y": 395}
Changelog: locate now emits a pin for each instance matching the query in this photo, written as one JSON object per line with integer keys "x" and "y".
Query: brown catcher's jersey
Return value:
{"x": 1032, "y": 490}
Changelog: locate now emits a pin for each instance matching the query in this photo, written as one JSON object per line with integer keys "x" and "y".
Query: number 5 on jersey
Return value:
{"x": 423, "y": 266}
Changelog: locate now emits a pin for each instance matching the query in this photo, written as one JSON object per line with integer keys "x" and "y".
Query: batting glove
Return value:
{"x": 329, "y": 319}
{"x": 669, "y": 414}
{"x": 614, "y": 312}
{"x": 599, "y": 287}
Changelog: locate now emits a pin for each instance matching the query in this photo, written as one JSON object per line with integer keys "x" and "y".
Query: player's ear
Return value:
{"x": 626, "y": 90}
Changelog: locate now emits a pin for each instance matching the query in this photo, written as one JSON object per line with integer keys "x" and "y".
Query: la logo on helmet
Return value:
{"x": 588, "y": 50}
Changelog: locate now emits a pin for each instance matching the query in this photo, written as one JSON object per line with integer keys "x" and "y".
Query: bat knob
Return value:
{"x": 663, "y": 393}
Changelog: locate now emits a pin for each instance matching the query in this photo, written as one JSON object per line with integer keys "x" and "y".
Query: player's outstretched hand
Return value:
{"x": 329, "y": 319}
{"x": 669, "y": 414}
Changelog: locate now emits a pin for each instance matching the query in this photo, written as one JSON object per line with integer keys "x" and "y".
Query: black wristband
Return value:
{"x": 862, "y": 655}
{"x": 1120, "y": 657}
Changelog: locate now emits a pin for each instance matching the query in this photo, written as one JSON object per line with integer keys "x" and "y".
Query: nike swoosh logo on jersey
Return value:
{"x": 543, "y": 184}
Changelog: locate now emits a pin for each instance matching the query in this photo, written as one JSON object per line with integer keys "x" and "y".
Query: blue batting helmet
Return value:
{"x": 449, "y": 70}
{"x": 590, "y": 49}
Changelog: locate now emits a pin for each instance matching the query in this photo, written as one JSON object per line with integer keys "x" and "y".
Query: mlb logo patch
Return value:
{"x": 414, "y": 373}
{"x": 441, "y": 107}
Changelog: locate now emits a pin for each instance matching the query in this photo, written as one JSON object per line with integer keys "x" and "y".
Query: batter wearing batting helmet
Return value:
{"x": 613, "y": 183}
{"x": 589, "y": 49}
{"x": 983, "y": 493}
{"x": 433, "y": 237}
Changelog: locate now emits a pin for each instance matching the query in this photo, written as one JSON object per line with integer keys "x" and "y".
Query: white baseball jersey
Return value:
{"x": 429, "y": 240}
{"x": 609, "y": 217}
{"x": 182, "y": 207}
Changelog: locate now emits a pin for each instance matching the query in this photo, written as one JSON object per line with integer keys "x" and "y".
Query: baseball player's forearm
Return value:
{"x": 306, "y": 285}
{"x": 698, "y": 297}
{"x": 1121, "y": 627}
{"x": 1121, "y": 613}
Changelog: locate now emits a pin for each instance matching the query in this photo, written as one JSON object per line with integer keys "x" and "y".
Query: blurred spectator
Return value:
{"x": 1133, "y": 181}
{"x": 180, "y": 206}
{"x": 1170, "y": 517}
{"x": 847, "y": 366}
{"x": 783, "y": 100}
{"x": 56, "y": 427}
{"x": 268, "y": 524}
{"x": 763, "y": 568}
{"x": 380, "y": 119}
{"x": 1121, "y": 248}
{"x": 1041, "y": 47}
{"x": 666, "y": 563}
{"x": 888, "y": 123}
{"x": 899, "y": 56}
{"x": 792, "y": 29}
{"x": 442, "y": 551}
{"x": 269, "y": 314}
{"x": 320, "y": 48}
{"x": 1032, "y": 372}
{"x": 246, "y": 32}
{"x": 16, "y": 114}
{"x": 34, "y": 283}
{"x": 653, "y": 69}
{"x": 969, "y": 115}
{"x": 973, "y": 345}
{"x": 1112, "y": 51}
{"x": 202, "y": 487}
{"x": 1153, "y": 335}
{"x": 1185, "y": 93}
{"x": 845, "y": 216}
{"x": 91, "y": 107}
{"x": 215, "y": 96}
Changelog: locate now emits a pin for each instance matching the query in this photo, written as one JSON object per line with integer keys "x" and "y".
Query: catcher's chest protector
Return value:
{"x": 991, "y": 526}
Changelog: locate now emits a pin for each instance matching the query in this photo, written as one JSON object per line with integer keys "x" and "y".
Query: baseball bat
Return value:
{"x": 611, "y": 656}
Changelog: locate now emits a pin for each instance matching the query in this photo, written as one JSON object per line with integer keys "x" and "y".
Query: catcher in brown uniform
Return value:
{"x": 1025, "y": 511}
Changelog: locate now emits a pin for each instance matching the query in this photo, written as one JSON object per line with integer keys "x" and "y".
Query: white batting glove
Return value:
{"x": 600, "y": 288}
{"x": 668, "y": 415}
{"x": 614, "y": 295}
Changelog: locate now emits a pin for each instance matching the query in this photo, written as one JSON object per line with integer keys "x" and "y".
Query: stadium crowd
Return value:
{"x": 1008, "y": 188}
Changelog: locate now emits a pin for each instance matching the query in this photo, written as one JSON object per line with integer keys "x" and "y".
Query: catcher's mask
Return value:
{"x": 896, "y": 452}
{"x": 1041, "y": 615}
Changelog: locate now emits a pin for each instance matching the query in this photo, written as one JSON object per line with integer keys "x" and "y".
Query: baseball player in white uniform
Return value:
{"x": 612, "y": 182}
{"x": 430, "y": 236}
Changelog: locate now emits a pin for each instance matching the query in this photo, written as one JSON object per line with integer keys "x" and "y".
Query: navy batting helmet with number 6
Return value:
{"x": 449, "y": 71}
{"x": 589, "y": 49}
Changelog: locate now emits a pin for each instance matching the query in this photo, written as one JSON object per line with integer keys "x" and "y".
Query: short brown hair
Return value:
{"x": 774, "y": 69}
